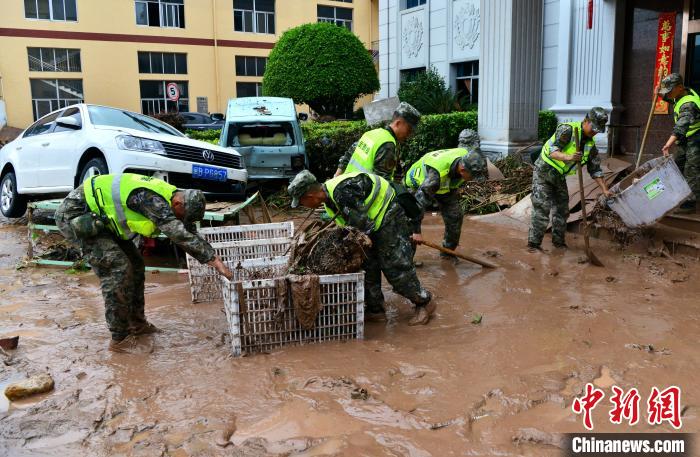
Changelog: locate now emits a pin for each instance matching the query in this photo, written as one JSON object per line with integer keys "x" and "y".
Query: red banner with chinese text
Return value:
{"x": 664, "y": 54}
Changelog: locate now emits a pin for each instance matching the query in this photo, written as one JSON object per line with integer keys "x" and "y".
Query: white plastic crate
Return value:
{"x": 204, "y": 283}
{"x": 255, "y": 326}
{"x": 247, "y": 232}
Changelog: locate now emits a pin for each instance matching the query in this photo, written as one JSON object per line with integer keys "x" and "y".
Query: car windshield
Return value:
{"x": 100, "y": 115}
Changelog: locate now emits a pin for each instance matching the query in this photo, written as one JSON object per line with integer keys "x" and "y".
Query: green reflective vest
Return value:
{"x": 691, "y": 97}
{"x": 441, "y": 161}
{"x": 375, "y": 204}
{"x": 568, "y": 168}
{"x": 106, "y": 195}
{"x": 366, "y": 150}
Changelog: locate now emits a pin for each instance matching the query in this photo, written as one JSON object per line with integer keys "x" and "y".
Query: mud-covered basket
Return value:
{"x": 234, "y": 244}
{"x": 257, "y": 324}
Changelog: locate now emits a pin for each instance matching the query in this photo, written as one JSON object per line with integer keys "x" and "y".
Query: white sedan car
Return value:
{"x": 59, "y": 151}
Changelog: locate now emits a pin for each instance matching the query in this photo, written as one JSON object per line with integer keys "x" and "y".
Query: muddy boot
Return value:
{"x": 145, "y": 329}
{"x": 560, "y": 246}
{"x": 123, "y": 346}
{"x": 423, "y": 314}
{"x": 449, "y": 257}
{"x": 532, "y": 248}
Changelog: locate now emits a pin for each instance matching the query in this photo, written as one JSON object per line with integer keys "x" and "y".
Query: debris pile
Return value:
{"x": 491, "y": 196}
{"x": 328, "y": 249}
{"x": 604, "y": 217}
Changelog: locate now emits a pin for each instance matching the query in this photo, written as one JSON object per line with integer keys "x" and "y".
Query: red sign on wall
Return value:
{"x": 664, "y": 54}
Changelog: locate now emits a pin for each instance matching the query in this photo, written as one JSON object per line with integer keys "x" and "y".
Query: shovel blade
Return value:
{"x": 593, "y": 259}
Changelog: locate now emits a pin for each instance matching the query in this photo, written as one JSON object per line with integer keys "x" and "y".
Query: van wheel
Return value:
{"x": 12, "y": 204}
{"x": 93, "y": 167}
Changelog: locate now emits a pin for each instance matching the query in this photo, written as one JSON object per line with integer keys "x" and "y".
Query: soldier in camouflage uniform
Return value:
{"x": 376, "y": 151}
{"x": 437, "y": 177}
{"x": 115, "y": 259}
{"x": 367, "y": 202}
{"x": 686, "y": 112}
{"x": 558, "y": 159}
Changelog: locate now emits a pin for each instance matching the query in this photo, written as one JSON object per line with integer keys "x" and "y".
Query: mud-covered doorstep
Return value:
{"x": 502, "y": 387}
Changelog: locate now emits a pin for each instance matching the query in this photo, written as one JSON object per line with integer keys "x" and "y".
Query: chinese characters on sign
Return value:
{"x": 664, "y": 55}
{"x": 662, "y": 406}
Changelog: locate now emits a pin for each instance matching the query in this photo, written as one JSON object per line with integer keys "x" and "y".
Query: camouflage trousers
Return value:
{"x": 116, "y": 262}
{"x": 549, "y": 195}
{"x": 452, "y": 217}
{"x": 688, "y": 160}
{"x": 392, "y": 254}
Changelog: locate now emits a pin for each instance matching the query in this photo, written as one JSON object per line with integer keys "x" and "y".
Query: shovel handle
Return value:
{"x": 483, "y": 263}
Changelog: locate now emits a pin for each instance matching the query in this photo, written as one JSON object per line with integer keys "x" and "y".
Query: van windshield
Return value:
{"x": 242, "y": 134}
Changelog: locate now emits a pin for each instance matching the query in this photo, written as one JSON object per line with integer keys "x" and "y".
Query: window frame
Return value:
{"x": 473, "y": 97}
{"x": 163, "y": 6}
{"x": 162, "y": 61}
{"x": 254, "y": 18}
{"x": 335, "y": 20}
{"x": 51, "y": 13}
{"x": 156, "y": 101}
{"x": 60, "y": 102}
{"x": 245, "y": 60}
{"x": 46, "y": 63}
{"x": 404, "y": 4}
{"x": 258, "y": 88}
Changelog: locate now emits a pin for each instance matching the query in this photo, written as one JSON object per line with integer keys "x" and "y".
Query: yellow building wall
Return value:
{"x": 110, "y": 68}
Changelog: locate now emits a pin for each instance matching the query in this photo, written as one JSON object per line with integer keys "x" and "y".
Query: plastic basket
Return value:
{"x": 256, "y": 325}
{"x": 204, "y": 280}
{"x": 247, "y": 232}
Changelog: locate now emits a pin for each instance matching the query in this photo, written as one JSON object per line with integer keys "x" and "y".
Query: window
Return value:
{"x": 260, "y": 134}
{"x": 54, "y": 59}
{"x": 335, "y": 15}
{"x": 113, "y": 117}
{"x": 42, "y": 126}
{"x": 154, "y": 99}
{"x": 250, "y": 66}
{"x": 407, "y": 75}
{"x": 70, "y": 112}
{"x": 54, "y": 10}
{"x": 163, "y": 63}
{"x": 467, "y": 81}
{"x": 52, "y": 94}
{"x": 160, "y": 13}
{"x": 248, "y": 90}
{"x": 412, "y": 3}
{"x": 256, "y": 16}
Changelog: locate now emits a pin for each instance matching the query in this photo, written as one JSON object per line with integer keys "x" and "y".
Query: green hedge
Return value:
{"x": 326, "y": 142}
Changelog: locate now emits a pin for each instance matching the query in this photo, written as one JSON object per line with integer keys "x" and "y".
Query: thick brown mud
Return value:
{"x": 503, "y": 387}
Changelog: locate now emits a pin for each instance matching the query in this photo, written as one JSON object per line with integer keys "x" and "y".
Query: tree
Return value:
{"x": 429, "y": 94}
{"x": 322, "y": 65}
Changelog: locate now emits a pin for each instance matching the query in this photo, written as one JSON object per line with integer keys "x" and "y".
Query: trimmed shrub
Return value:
{"x": 326, "y": 142}
{"x": 437, "y": 131}
{"x": 547, "y": 125}
{"x": 171, "y": 118}
{"x": 323, "y": 65}
{"x": 210, "y": 136}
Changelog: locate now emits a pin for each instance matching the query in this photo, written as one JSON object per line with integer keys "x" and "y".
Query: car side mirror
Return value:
{"x": 303, "y": 116}
{"x": 217, "y": 117}
{"x": 68, "y": 122}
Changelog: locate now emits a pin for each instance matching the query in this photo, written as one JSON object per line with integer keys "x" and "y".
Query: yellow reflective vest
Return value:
{"x": 691, "y": 97}
{"x": 375, "y": 204}
{"x": 362, "y": 159}
{"x": 106, "y": 195}
{"x": 441, "y": 161}
{"x": 568, "y": 168}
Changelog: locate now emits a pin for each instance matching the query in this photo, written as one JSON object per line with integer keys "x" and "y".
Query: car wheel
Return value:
{"x": 12, "y": 204}
{"x": 93, "y": 167}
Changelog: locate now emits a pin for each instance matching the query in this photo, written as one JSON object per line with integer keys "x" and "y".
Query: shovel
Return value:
{"x": 483, "y": 263}
{"x": 591, "y": 256}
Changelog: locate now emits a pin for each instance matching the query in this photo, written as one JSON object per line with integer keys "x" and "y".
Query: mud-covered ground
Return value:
{"x": 502, "y": 387}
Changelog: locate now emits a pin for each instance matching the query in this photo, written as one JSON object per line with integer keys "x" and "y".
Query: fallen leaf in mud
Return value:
{"x": 532, "y": 435}
{"x": 359, "y": 393}
{"x": 611, "y": 279}
{"x": 553, "y": 273}
{"x": 32, "y": 386}
{"x": 477, "y": 319}
{"x": 492, "y": 254}
{"x": 9, "y": 343}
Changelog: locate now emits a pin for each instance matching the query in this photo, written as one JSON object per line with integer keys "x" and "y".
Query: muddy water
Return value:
{"x": 549, "y": 326}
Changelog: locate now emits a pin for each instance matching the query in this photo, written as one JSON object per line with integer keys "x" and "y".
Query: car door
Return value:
{"x": 59, "y": 158}
{"x": 29, "y": 150}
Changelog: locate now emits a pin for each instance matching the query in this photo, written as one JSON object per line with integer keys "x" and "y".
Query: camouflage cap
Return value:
{"x": 195, "y": 204}
{"x": 669, "y": 82}
{"x": 598, "y": 117}
{"x": 408, "y": 113}
{"x": 476, "y": 164}
{"x": 468, "y": 138}
{"x": 300, "y": 185}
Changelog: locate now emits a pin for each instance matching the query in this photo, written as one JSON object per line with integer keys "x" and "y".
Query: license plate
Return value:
{"x": 209, "y": 173}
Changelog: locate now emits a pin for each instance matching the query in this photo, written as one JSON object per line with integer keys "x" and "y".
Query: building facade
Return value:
{"x": 125, "y": 53}
{"x": 515, "y": 57}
